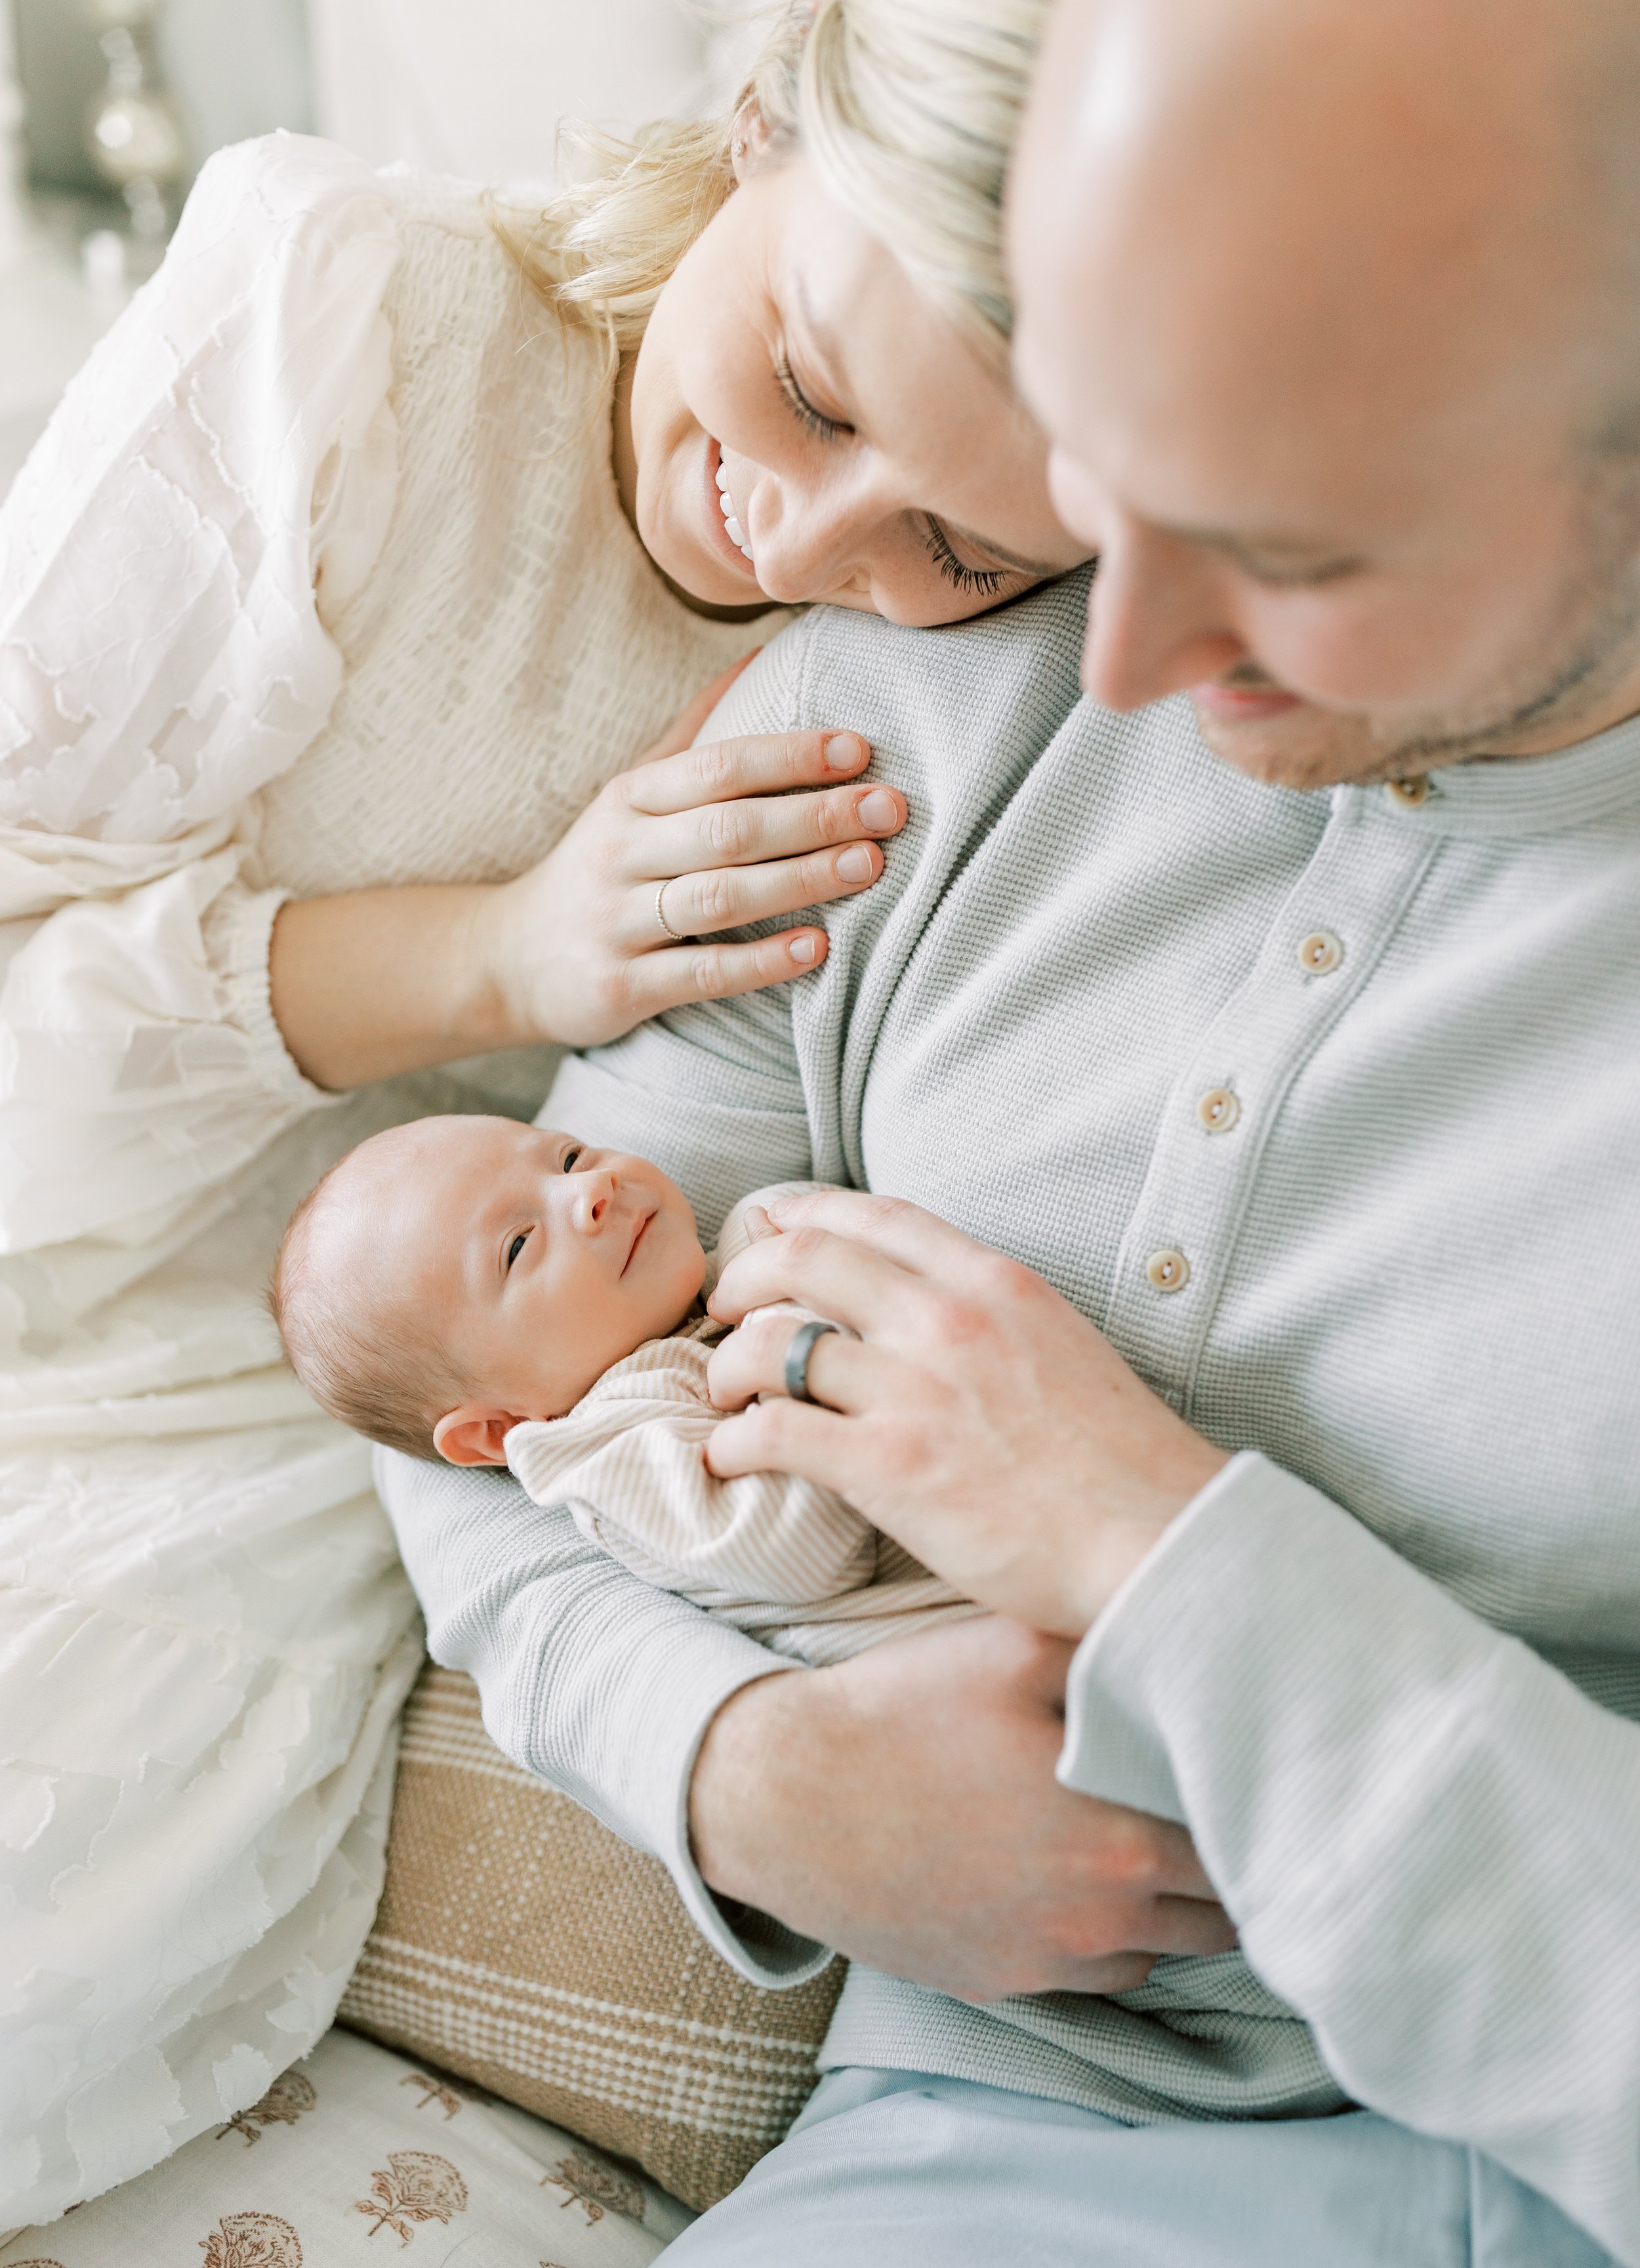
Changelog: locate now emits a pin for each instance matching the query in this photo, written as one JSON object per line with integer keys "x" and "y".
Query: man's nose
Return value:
{"x": 591, "y": 1201}
{"x": 1155, "y": 622}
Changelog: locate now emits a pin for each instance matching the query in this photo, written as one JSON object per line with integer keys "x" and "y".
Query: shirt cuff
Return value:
{"x": 755, "y": 1945}
{"x": 1114, "y": 1746}
{"x": 239, "y": 944}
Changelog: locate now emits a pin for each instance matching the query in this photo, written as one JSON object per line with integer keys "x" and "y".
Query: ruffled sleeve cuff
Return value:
{"x": 239, "y": 944}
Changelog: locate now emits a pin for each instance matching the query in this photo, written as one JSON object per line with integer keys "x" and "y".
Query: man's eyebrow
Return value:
{"x": 1271, "y": 543}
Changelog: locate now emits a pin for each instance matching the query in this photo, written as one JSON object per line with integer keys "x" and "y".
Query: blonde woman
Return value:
{"x": 361, "y": 558}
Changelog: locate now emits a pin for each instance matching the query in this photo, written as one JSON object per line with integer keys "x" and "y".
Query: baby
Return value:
{"x": 498, "y": 1294}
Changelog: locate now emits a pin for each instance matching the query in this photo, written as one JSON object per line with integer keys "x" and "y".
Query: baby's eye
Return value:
{"x": 570, "y": 1157}
{"x": 517, "y": 1245}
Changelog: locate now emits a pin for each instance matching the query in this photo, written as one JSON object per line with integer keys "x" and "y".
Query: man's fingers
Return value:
{"x": 786, "y": 1437}
{"x": 848, "y": 1283}
{"x": 1190, "y": 1926}
{"x": 734, "y": 897}
{"x": 756, "y": 763}
{"x": 842, "y": 1374}
{"x": 683, "y": 973}
{"x": 919, "y": 1242}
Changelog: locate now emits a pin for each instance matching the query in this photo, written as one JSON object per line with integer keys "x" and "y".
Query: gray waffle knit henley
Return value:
{"x": 1384, "y": 1666}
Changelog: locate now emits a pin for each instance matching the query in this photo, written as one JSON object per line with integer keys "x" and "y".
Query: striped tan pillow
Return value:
{"x": 521, "y": 1944}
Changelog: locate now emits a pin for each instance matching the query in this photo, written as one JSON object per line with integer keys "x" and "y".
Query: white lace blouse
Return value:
{"x": 318, "y": 580}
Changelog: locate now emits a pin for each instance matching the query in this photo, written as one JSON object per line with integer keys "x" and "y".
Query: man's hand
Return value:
{"x": 902, "y": 1807}
{"x": 976, "y": 1415}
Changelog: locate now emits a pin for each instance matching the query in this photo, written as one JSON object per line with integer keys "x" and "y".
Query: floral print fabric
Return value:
{"x": 359, "y": 2155}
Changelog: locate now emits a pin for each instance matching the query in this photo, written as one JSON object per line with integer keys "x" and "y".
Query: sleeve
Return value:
{"x": 1426, "y": 1835}
{"x": 163, "y": 656}
{"x": 595, "y": 1682}
{"x": 645, "y": 1494}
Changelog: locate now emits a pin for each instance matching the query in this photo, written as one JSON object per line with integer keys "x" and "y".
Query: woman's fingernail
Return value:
{"x": 856, "y": 864}
{"x": 804, "y": 948}
{"x": 878, "y": 810}
{"x": 844, "y": 752}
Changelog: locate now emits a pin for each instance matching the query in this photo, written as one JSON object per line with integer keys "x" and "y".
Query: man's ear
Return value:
{"x": 474, "y": 1434}
{"x": 748, "y": 141}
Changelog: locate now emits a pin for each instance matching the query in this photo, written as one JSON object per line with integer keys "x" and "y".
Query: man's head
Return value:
{"x": 1334, "y": 314}
{"x": 452, "y": 1279}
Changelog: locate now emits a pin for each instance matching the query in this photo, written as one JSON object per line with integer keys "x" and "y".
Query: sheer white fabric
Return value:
{"x": 318, "y": 580}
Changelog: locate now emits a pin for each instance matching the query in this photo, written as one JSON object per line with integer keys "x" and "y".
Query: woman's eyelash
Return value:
{"x": 517, "y": 1245}
{"x": 823, "y": 428}
{"x": 981, "y": 580}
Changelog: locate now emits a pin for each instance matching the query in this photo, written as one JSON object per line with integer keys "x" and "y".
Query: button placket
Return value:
{"x": 1217, "y": 1123}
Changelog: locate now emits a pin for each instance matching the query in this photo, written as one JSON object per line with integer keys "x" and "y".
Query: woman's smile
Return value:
{"x": 719, "y": 511}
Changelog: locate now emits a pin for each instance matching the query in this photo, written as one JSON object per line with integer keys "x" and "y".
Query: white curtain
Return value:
{"x": 479, "y": 90}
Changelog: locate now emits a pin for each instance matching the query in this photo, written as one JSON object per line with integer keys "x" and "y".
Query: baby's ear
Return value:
{"x": 474, "y": 1434}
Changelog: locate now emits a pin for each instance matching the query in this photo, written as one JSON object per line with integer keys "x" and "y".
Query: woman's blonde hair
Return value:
{"x": 907, "y": 109}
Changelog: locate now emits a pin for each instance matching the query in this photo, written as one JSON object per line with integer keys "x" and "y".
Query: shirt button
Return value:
{"x": 1319, "y": 954}
{"x": 1409, "y": 793}
{"x": 1218, "y": 1110}
{"x": 1167, "y": 1270}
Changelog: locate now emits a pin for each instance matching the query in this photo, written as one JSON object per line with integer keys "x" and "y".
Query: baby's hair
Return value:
{"x": 383, "y": 1373}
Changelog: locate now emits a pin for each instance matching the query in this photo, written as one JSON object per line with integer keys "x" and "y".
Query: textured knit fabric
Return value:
{"x": 909, "y": 2169}
{"x": 1384, "y": 1669}
{"x": 521, "y": 1945}
{"x": 629, "y": 1460}
{"x": 318, "y": 580}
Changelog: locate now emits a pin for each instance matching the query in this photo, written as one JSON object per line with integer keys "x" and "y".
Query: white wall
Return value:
{"x": 477, "y": 87}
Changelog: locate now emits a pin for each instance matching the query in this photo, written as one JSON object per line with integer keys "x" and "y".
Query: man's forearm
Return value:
{"x": 590, "y": 1678}
{"x": 1429, "y": 1840}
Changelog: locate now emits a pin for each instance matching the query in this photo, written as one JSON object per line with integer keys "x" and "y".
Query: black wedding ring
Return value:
{"x": 800, "y": 1353}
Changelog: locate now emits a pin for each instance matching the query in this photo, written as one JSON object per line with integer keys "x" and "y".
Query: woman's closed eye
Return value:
{"x": 815, "y": 421}
{"x": 984, "y": 580}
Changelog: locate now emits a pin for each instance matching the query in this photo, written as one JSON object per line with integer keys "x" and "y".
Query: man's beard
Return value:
{"x": 1589, "y": 648}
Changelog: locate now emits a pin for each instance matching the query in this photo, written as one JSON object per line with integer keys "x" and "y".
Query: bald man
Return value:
{"x": 1333, "y": 313}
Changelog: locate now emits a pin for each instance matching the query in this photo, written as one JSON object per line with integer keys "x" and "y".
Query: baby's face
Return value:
{"x": 539, "y": 1260}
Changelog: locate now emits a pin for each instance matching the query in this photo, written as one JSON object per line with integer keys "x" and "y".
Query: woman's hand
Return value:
{"x": 976, "y": 1415}
{"x": 578, "y": 945}
{"x": 371, "y": 983}
{"x": 902, "y": 1807}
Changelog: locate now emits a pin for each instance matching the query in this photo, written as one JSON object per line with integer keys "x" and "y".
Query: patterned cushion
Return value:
{"x": 521, "y": 1944}
{"x": 356, "y": 2143}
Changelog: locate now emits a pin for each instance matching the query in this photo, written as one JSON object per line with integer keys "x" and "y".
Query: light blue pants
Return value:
{"x": 899, "y": 2169}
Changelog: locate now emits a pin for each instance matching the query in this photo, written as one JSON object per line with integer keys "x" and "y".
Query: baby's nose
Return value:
{"x": 593, "y": 1197}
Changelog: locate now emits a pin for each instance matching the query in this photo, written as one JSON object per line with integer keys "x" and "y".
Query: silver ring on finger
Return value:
{"x": 800, "y": 1353}
{"x": 676, "y": 936}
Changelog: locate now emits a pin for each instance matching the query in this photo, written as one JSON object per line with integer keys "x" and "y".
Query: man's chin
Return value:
{"x": 1300, "y": 748}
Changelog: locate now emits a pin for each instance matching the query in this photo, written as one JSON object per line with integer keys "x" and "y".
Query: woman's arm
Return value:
{"x": 373, "y": 982}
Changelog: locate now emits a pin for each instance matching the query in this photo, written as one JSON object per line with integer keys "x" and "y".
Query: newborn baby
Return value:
{"x": 498, "y": 1294}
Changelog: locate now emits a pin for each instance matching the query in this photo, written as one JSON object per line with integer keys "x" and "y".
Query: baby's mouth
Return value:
{"x": 637, "y": 1239}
